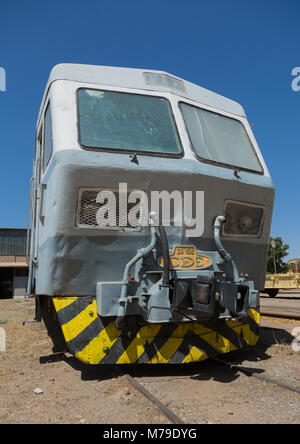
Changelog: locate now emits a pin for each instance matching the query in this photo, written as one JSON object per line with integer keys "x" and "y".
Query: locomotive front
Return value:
{"x": 151, "y": 217}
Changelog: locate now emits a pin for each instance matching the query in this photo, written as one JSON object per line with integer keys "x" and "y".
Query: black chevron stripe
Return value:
{"x": 70, "y": 312}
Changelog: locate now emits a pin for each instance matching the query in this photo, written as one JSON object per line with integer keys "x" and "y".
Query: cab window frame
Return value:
{"x": 126, "y": 151}
{"x": 216, "y": 162}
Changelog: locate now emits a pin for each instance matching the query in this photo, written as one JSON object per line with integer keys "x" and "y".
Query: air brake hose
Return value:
{"x": 123, "y": 297}
{"x": 141, "y": 253}
{"x": 223, "y": 253}
{"x": 166, "y": 257}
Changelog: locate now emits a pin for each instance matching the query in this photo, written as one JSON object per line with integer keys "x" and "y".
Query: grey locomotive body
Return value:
{"x": 101, "y": 129}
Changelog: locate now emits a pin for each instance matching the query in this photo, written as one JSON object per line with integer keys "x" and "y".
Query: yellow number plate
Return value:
{"x": 184, "y": 258}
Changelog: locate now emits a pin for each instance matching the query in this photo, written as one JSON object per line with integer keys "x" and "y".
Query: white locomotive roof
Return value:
{"x": 137, "y": 78}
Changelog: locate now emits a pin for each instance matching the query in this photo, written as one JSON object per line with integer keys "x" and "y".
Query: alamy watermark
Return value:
{"x": 296, "y": 80}
{"x": 165, "y": 208}
{"x": 2, "y": 79}
{"x": 2, "y": 340}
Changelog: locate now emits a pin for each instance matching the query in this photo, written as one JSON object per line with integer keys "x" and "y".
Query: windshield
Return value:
{"x": 219, "y": 139}
{"x": 123, "y": 121}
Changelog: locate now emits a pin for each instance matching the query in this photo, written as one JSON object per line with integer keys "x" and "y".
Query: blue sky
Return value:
{"x": 244, "y": 50}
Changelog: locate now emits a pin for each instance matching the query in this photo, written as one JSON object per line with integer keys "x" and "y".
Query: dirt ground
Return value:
{"x": 207, "y": 392}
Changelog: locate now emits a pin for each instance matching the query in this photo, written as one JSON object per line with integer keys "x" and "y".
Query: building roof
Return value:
{"x": 13, "y": 264}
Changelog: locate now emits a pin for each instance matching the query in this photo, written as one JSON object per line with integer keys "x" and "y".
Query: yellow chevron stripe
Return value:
{"x": 255, "y": 315}
{"x": 233, "y": 324}
{"x": 194, "y": 355}
{"x": 165, "y": 353}
{"x": 217, "y": 341}
{"x": 250, "y": 337}
{"x": 95, "y": 351}
{"x": 62, "y": 302}
{"x": 72, "y": 328}
{"x": 136, "y": 347}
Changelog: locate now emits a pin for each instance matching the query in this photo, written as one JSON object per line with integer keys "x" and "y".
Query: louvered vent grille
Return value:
{"x": 107, "y": 213}
{"x": 242, "y": 219}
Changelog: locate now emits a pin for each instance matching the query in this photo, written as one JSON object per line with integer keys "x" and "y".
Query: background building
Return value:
{"x": 295, "y": 265}
{"x": 13, "y": 266}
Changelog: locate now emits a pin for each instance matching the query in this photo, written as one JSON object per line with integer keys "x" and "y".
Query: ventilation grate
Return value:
{"x": 108, "y": 209}
{"x": 243, "y": 219}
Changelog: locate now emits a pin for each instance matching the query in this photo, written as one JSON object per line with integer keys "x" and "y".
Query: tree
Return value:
{"x": 280, "y": 253}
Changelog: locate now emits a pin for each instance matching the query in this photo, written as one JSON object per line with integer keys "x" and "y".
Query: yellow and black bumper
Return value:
{"x": 96, "y": 340}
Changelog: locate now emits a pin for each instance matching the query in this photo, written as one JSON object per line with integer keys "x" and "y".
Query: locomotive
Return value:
{"x": 151, "y": 207}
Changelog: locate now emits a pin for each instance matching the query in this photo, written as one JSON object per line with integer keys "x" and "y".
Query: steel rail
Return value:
{"x": 164, "y": 409}
{"x": 252, "y": 372}
{"x": 274, "y": 314}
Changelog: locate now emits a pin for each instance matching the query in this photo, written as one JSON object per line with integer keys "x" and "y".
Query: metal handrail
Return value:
{"x": 29, "y": 222}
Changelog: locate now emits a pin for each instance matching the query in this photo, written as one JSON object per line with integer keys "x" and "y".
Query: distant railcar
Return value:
{"x": 281, "y": 281}
{"x": 151, "y": 212}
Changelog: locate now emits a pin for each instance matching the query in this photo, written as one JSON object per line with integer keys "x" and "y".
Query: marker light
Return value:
{"x": 164, "y": 80}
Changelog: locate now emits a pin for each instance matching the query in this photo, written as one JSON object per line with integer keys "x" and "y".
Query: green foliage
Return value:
{"x": 281, "y": 250}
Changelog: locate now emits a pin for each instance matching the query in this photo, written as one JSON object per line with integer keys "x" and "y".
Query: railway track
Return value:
{"x": 279, "y": 314}
{"x": 164, "y": 409}
{"x": 250, "y": 372}
{"x": 257, "y": 373}
{"x": 285, "y": 305}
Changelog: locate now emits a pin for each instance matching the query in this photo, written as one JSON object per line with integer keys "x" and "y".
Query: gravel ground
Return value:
{"x": 207, "y": 392}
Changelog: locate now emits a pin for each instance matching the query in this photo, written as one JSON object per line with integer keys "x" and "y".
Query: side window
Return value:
{"x": 48, "y": 143}
{"x": 38, "y": 152}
